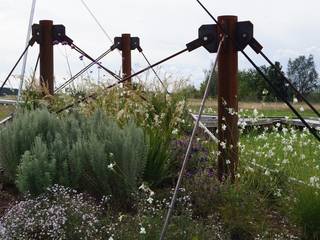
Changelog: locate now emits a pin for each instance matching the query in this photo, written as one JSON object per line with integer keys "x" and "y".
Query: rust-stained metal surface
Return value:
{"x": 126, "y": 58}
{"x": 46, "y": 56}
{"x": 228, "y": 133}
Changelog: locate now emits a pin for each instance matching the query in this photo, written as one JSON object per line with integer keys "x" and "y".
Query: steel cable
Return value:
{"x": 14, "y": 67}
{"x": 290, "y": 84}
{"x": 83, "y": 70}
{"x": 312, "y": 131}
{"x": 35, "y": 69}
{"x": 103, "y": 29}
{"x": 154, "y": 71}
{"x": 79, "y": 50}
{"x": 125, "y": 79}
{"x": 186, "y": 157}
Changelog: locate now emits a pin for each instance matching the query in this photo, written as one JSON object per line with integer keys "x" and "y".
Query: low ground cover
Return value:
{"x": 105, "y": 169}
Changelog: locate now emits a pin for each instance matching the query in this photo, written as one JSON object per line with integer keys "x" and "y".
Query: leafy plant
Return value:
{"x": 306, "y": 211}
{"x": 92, "y": 154}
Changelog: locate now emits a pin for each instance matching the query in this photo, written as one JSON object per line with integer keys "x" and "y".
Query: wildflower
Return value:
{"x": 314, "y": 181}
{"x": 223, "y": 145}
{"x": 142, "y": 230}
{"x": 150, "y": 200}
{"x": 301, "y": 109}
{"x": 224, "y": 127}
{"x": 143, "y": 187}
{"x": 111, "y": 166}
{"x": 174, "y": 131}
{"x": 265, "y": 92}
{"x": 228, "y": 162}
{"x": 267, "y": 173}
{"x": 295, "y": 100}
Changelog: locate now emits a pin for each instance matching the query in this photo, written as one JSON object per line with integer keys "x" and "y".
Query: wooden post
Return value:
{"x": 228, "y": 133}
{"x": 46, "y": 57}
{"x": 126, "y": 58}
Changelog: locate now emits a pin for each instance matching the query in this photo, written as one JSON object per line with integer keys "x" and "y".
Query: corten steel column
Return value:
{"x": 46, "y": 56}
{"x": 228, "y": 133}
{"x": 126, "y": 58}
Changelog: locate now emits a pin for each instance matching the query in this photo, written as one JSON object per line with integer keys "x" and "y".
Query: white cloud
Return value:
{"x": 286, "y": 28}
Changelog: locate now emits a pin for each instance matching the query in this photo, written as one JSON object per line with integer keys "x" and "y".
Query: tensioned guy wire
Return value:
{"x": 126, "y": 78}
{"x": 95, "y": 61}
{"x": 14, "y": 67}
{"x": 154, "y": 71}
{"x": 186, "y": 157}
{"x": 290, "y": 84}
{"x": 23, "y": 70}
{"x": 279, "y": 95}
{"x": 86, "y": 68}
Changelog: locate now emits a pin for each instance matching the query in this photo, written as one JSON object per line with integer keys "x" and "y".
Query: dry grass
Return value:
{"x": 251, "y": 105}
{"x": 268, "y": 108}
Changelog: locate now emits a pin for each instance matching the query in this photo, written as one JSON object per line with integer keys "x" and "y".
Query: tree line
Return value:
{"x": 301, "y": 71}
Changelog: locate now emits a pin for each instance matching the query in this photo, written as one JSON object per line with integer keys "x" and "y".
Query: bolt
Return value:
{"x": 205, "y": 38}
{"x": 244, "y": 35}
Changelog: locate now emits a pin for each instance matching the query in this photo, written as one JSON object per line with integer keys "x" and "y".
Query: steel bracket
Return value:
{"x": 58, "y": 34}
{"x": 135, "y": 43}
{"x": 244, "y": 35}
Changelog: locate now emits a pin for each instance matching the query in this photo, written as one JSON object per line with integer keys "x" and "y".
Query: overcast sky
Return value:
{"x": 286, "y": 28}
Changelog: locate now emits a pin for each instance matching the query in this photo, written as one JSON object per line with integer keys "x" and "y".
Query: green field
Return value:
{"x": 265, "y": 109}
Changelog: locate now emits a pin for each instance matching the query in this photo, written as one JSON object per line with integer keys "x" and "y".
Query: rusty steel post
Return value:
{"x": 126, "y": 58}
{"x": 46, "y": 57}
{"x": 228, "y": 133}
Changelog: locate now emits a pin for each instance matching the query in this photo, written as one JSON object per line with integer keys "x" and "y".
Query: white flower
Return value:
{"x": 174, "y": 131}
{"x": 223, "y": 145}
{"x": 255, "y": 112}
{"x": 111, "y": 166}
{"x": 110, "y": 238}
{"x": 150, "y": 200}
{"x": 314, "y": 180}
{"x": 265, "y": 92}
{"x": 295, "y": 100}
{"x": 224, "y": 127}
{"x": 142, "y": 230}
{"x": 143, "y": 187}
{"x": 301, "y": 109}
{"x": 267, "y": 172}
{"x": 121, "y": 217}
{"x": 228, "y": 162}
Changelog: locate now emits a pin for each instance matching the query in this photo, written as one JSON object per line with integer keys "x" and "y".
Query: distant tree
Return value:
{"x": 303, "y": 74}
{"x": 253, "y": 87}
{"x": 278, "y": 81}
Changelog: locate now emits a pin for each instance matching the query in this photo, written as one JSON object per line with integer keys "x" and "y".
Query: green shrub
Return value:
{"x": 159, "y": 165}
{"x": 92, "y": 154}
{"x": 306, "y": 211}
{"x": 20, "y": 135}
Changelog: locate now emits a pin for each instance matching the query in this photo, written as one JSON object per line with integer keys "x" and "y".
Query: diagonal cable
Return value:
{"x": 154, "y": 71}
{"x": 95, "y": 61}
{"x": 290, "y": 84}
{"x": 186, "y": 157}
{"x": 312, "y": 131}
{"x": 125, "y": 79}
{"x": 14, "y": 67}
{"x": 86, "y": 68}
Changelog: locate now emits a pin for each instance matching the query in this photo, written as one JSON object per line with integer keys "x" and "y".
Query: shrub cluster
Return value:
{"x": 92, "y": 154}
